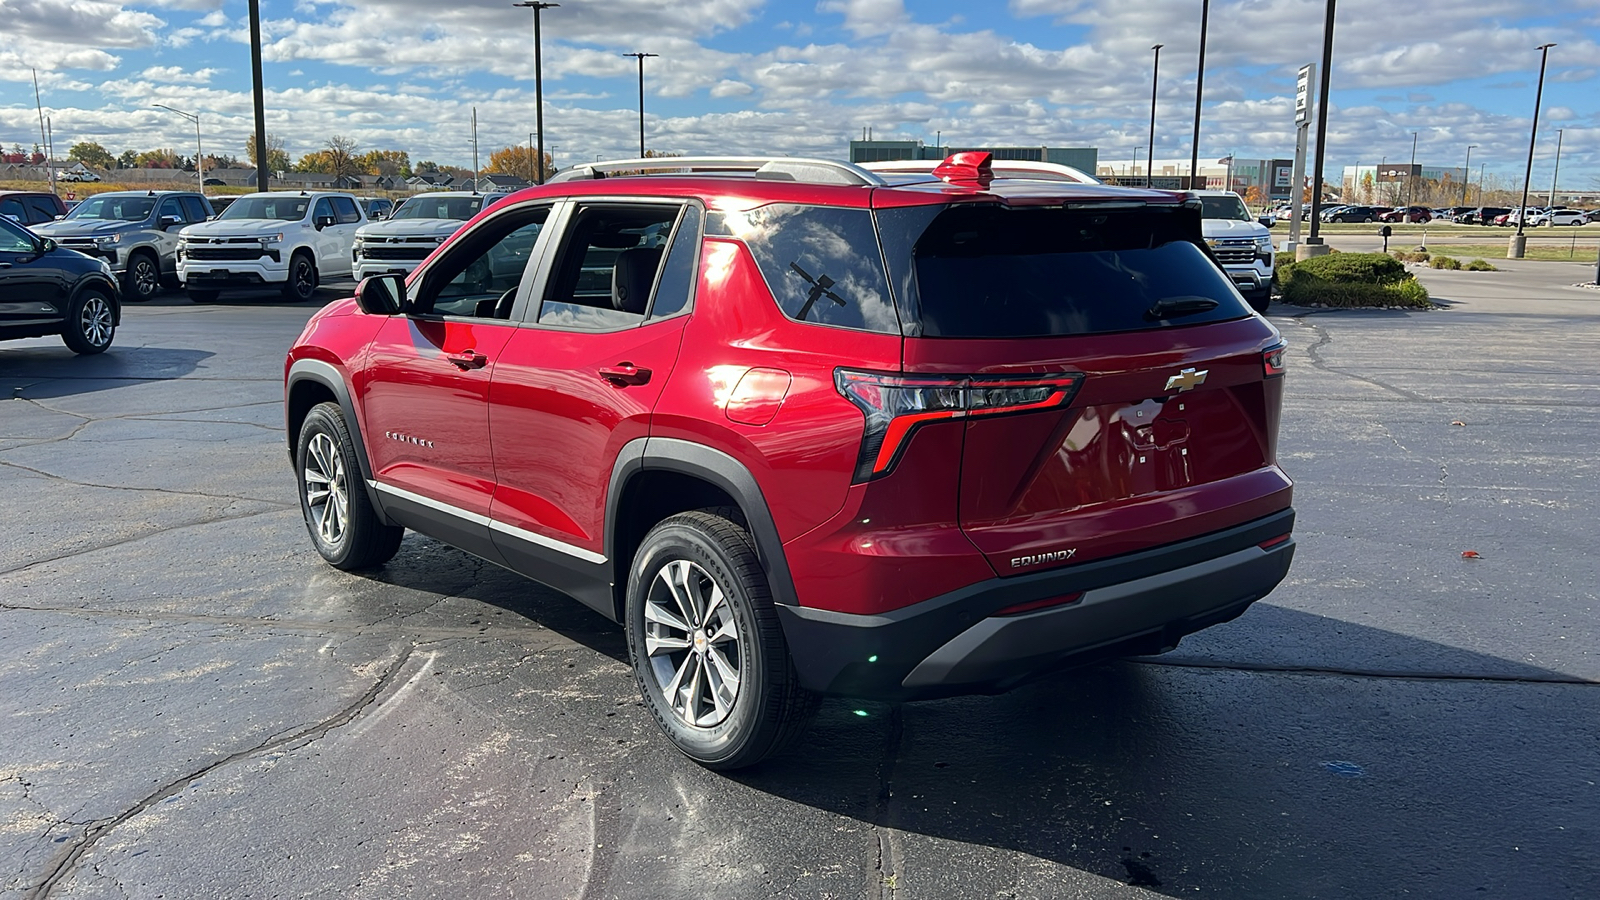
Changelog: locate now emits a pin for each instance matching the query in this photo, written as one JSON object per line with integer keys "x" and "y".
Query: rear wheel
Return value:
{"x": 706, "y": 646}
{"x": 90, "y": 324}
{"x": 344, "y": 526}
{"x": 142, "y": 281}
{"x": 302, "y": 283}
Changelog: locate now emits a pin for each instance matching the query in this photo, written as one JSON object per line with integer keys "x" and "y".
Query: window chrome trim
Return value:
{"x": 522, "y": 534}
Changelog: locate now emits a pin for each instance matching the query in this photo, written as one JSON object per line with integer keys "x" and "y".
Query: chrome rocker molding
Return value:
{"x": 548, "y": 543}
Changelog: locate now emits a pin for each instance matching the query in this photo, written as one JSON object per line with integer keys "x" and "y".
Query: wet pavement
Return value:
{"x": 194, "y": 705}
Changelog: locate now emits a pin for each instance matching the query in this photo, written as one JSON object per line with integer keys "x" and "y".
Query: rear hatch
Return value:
{"x": 1168, "y": 428}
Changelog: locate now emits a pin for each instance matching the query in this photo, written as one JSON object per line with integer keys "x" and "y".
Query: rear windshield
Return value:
{"x": 988, "y": 271}
{"x": 462, "y": 208}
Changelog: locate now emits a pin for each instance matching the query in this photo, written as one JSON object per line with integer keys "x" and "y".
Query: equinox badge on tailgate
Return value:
{"x": 1022, "y": 562}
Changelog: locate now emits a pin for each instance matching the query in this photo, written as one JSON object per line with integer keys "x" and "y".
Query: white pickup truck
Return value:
{"x": 1242, "y": 245}
{"x": 282, "y": 239}
{"x": 401, "y": 242}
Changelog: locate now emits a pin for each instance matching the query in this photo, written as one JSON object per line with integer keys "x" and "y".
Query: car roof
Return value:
{"x": 733, "y": 183}
{"x": 1002, "y": 168}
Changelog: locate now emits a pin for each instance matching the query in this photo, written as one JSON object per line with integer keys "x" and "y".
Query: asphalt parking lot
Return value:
{"x": 196, "y": 706}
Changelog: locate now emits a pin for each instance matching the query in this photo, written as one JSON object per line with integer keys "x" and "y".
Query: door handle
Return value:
{"x": 467, "y": 359}
{"x": 625, "y": 373}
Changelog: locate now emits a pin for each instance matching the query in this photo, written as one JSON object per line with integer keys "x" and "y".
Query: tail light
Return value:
{"x": 896, "y": 405}
{"x": 1272, "y": 363}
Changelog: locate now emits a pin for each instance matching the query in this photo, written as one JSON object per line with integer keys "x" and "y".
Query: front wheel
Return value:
{"x": 142, "y": 281}
{"x": 706, "y": 645}
{"x": 91, "y": 323}
{"x": 344, "y": 526}
{"x": 302, "y": 283}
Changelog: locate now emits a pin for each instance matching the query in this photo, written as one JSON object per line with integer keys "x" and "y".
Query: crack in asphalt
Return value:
{"x": 886, "y": 861}
{"x": 272, "y": 508}
{"x": 148, "y": 490}
{"x": 63, "y": 865}
{"x": 1324, "y": 339}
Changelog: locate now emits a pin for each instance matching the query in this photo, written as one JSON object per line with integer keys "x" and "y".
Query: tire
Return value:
{"x": 1340, "y": 219}
{"x": 339, "y": 516}
{"x": 142, "y": 281}
{"x": 91, "y": 322}
{"x": 1260, "y": 300}
{"x": 302, "y": 283}
{"x": 199, "y": 296}
{"x": 700, "y": 565}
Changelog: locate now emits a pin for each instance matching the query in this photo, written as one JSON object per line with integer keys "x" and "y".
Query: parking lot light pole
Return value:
{"x": 1199, "y": 92}
{"x": 538, "y": 83}
{"x": 263, "y": 169}
{"x": 1519, "y": 241}
{"x": 1314, "y": 245}
{"x": 641, "y": 58}
{"x": 199, "y": 154}
{"x": 1411, "y": 178}
{"x": 1466, "y": 175}
{"x": 1150, "y": 154}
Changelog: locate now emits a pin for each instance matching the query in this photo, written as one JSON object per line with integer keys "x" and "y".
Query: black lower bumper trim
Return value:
{"x": 1138, "y": 603}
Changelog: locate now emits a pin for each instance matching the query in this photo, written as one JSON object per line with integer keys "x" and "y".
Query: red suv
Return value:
{"x": 805, "y": 429}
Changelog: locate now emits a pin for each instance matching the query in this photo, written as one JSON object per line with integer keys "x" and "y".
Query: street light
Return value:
{"x": 1466, "y": 175}
{"x": 199, "y": 155}
{"x": 1136, "y": 166}
{"x": 1519, "y": 241}
{"x": 1199, "y": 91}
{"x": 641, "y": 57}
{"x": 1557, "y": 172}
{"x": 538, "y": 83}
{"x": 1314, "y": 240}
{"x": 1155, "y": 72}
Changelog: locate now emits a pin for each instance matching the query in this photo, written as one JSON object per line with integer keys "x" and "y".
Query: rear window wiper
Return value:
{"x": 1169, "y": 307}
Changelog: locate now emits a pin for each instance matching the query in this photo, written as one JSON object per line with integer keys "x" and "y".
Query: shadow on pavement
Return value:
{"x": 42, "y": 372}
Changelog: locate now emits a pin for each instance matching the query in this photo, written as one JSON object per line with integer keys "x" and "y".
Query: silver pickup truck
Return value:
{"x": 136, "y": 232}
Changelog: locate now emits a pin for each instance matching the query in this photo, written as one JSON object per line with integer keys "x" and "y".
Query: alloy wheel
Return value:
{"x": 95, "y": 321}
{"x": 327, "y": 493}
{"x": 692, "y": 640}
{"x": 146, "y": 278}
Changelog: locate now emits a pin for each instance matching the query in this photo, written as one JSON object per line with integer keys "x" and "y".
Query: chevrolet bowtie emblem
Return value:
{"x": 1187, "y": 380}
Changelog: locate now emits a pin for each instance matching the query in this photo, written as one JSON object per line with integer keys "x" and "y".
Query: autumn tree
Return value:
{"x": 277, "y": 157}
{"x": 92, "y": 154}
{"x": 517, "y": 161}
{"x": 159, "y": 159}
{"x": 127, "y": 160}
{"x": 385, "y": 162}
{"x": 341, "y": 156}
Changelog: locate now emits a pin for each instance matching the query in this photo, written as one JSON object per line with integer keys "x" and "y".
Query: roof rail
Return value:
{"x": 771, "y": 168}
{"x": 1002, "y": 168}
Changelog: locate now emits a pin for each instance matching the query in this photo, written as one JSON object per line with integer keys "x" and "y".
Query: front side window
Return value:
{"x": 480, "y": 274}
{"x": 12, "y": 238}
{"x": 821, "y": 263}
{"x": 324, "y": 209}
{"x": 12, "y": 209}
{"x": 170, "y": 207}
{"x": 345, "y": 209}
{"x": 607, "y": 269}
{"x": 288, "y": 208}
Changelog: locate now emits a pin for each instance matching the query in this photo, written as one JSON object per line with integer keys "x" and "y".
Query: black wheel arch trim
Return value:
{"x": 326, "y": 375}
{"x": 716, "y": 468}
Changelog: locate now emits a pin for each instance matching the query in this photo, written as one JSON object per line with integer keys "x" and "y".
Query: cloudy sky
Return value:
{"x": 804, "y": 76}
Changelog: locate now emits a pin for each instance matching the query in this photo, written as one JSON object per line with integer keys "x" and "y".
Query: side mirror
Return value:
{"x": 48, "y": 245}
{"x": 381, "y": 295}
{"x": 1267, "y": 219}
{"x": 323, "y": 222}
{"x": 167, "y": 222}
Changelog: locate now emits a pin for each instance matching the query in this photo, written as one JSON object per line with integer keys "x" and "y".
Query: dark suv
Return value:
{"x": 805, "y": 429}
{"x": 31, "y": 207}
{"x": 47, "y": 289}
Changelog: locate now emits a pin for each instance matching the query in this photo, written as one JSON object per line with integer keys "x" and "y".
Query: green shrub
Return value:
{"x": 1352, "y": 280}
{"x": 1445, "y": 262}
{"x": 1481, "y": 265}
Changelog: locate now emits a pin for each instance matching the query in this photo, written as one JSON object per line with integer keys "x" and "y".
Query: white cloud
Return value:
{"x": 178, "y": 75}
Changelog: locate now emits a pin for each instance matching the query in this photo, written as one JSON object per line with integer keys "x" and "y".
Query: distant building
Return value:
{"x": 1392, "y": 184}
{"x": 1262, "y": 180}
{"x": 1080, "y": 158}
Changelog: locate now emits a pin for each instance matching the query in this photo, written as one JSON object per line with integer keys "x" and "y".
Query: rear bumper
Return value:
{"x": 1133, "y": 604}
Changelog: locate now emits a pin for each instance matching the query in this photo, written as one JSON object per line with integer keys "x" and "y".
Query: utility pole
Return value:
{"x": 1466, "y": 176}
{"x": 538, "y": 82}
{"x": 1557, "y": 173}
{"x": 1411, "y": 178}
{"x": 641, "y": 57}
{"x": 1518, "y": 244}
{"x": 474, "y": 149}
{"x": 44, "y": 138}
{"x": 1315, "y": 246}
{"x": 263, "y": 171}
{"x": 1150, "y": 153}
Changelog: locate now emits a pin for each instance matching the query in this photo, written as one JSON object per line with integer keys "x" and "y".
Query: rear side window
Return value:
{"x": 345, "y": 209}
{"x": 997, "y": 272}
{"x": 821, "y": 263}
{"x": 194, "y": 209}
